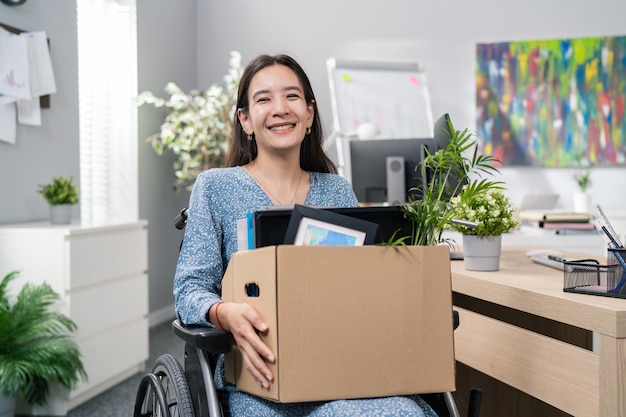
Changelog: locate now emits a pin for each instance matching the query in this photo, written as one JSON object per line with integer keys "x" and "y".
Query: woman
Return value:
{"x": 275, "y": 158}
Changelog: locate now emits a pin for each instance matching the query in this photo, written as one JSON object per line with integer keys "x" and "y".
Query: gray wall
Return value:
{"x": 52, "y": 148}
{"x": 188, "y": 42}
{"x": 166, "y": 52}
{"x": 166, "y": 48}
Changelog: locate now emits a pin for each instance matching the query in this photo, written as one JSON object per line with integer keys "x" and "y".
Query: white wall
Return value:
{"x": 439, "y": 34}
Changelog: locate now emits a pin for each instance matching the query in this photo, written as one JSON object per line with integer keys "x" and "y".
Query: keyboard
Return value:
{"x": 551, "y": 261}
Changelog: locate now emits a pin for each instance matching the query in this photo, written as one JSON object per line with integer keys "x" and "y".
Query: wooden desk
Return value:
{"x": 571, "y": 378}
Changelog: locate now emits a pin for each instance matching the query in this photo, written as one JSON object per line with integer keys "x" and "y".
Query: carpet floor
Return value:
{"x": 119, "y": 401}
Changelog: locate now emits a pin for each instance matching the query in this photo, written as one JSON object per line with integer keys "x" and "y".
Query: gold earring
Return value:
{"x": 308, "y": 130}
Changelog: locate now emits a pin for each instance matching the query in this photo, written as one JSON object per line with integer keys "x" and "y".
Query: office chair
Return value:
{"x": 169, "y": 390}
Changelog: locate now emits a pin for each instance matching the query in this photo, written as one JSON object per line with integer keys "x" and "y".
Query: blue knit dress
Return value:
{"x": 220, "y": 197}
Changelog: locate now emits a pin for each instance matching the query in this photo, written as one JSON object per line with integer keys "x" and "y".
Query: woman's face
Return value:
{"x": 278, "y": 113}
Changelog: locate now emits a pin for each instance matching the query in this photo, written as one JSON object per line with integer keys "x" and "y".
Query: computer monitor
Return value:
{"x": 384, "y": 170}
{"x": 441, "y": 134}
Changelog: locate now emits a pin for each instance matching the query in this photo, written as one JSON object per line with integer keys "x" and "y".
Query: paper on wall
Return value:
{"x": 14, "y": 70}
{"x": 8, "y": 119}
{"x": 40, "y": 65}
{"x": 29, "y": 112}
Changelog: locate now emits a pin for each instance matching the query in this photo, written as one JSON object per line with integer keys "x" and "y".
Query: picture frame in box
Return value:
{"x": 310, "y": 226}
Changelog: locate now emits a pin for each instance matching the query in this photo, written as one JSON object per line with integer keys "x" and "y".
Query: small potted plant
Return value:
{"x": 583, "y": 179}
{"x": 61, "y": 194}
{"x": 493, "y": 214}
{"x": 582, "y": 198}
{"x": 36, "y": 348}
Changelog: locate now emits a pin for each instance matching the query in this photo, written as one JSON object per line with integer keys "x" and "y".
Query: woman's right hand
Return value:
{"x": 244, "y": 323}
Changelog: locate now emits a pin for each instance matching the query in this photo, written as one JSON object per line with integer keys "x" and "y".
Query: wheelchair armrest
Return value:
{"x": 211, "y": 340}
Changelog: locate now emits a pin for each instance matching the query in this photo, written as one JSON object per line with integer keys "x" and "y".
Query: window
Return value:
{"x": 107, "y": 83}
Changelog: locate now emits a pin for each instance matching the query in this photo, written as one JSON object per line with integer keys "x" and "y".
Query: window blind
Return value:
{"x": 107, "y": 82}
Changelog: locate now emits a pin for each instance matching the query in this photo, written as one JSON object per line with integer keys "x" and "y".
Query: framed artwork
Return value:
{"x": 553, "y": 103}
{"x": 310, "y": 226}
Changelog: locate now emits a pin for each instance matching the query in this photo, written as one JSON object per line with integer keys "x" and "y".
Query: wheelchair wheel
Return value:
{"x": 164, "y": 392}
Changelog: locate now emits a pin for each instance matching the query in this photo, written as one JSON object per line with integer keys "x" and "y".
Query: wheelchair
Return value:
{"x": 171, "y": 390}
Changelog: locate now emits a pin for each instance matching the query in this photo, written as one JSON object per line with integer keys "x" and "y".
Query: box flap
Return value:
{"x": 228, "y": 289}
{"x": 251, "y": 278}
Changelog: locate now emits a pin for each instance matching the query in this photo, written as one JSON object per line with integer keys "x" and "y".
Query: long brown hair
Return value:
{"x": 242, "y": 151}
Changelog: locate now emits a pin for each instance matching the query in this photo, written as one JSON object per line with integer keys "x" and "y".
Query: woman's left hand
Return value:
{"x": 243, "y": 321}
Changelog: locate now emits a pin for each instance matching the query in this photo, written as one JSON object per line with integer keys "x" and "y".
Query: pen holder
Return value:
{"x": 589, "y": 277}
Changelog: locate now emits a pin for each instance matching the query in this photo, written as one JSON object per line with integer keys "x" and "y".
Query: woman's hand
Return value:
{"x": 244, "y": 322}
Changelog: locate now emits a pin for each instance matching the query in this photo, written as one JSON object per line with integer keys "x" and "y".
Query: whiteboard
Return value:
{"x": 390, "y": 95}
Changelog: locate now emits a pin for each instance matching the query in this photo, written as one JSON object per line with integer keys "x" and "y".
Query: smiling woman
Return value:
{"x": 275, "y": 156}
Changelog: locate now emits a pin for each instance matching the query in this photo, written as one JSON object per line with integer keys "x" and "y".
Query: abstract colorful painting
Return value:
{"x": 553, "y": 103}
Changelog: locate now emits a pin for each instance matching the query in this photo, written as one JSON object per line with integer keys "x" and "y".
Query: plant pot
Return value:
{"x": 61, "y": 213}
{"x": 582, "y": 202}
{"x": 482, "y": 253}
{"x": 7, "y": 406}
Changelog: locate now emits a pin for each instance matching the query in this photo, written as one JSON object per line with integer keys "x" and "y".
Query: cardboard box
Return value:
{"x": 347, "y": 322}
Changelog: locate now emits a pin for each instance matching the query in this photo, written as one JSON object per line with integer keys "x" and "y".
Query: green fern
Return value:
{"x": 394, "y": 240}
{"x": 35, "y": 346}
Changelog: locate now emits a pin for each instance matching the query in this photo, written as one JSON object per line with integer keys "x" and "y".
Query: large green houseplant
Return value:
{"x": 447, "y": 170}
{"x": 36, "y": 348}
{"x": 198, "y": 124}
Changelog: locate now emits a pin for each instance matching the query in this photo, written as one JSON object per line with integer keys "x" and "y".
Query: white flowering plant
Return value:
{"x": 198, "y": 125}
{"x": 489, "y": 208}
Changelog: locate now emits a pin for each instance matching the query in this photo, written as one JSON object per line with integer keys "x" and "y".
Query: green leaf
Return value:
{"x": 61, "y": 191}
{"x": 36, "y": 348}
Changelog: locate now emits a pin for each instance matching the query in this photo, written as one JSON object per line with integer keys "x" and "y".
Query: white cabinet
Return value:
{"x": 101, "y": 274}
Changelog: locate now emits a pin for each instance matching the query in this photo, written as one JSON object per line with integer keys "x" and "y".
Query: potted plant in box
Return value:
{"x": 35, "y": 345}
{"x": 61, "y": 194}
{"x": 447, "y": 169}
